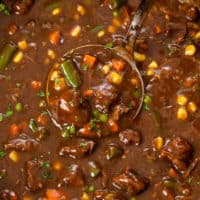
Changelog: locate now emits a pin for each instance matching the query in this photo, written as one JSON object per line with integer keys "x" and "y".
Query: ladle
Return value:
{"x": 120, "y": 51}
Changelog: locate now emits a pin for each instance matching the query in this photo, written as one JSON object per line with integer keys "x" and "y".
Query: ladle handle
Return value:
{"x": 136, "y": 22}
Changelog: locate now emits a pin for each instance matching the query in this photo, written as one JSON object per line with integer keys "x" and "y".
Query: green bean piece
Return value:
{"x": 114, "y": 4}
{"x": 71, "y": 73}
{"x": 6, "y": 55}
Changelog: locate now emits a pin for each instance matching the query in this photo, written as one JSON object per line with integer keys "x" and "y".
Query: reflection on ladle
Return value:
{"x": 97, "y": 79}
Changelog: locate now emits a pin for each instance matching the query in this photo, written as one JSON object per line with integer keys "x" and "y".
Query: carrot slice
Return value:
{"x": 113, "y": 126}
{"x": 55, "y": 37}
{"x": 118, "y": 64}
{"x": 14, "y": 130}
{"x": 54, "y": 194}
{"x": 89, "y": 60}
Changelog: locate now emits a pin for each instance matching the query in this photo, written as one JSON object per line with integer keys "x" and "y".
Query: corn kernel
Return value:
{"x": 51, "y": 54}
{"x": 112, "y": 29}
{"x": 139, "y": 57}
{"x": 153, "y": 65}
{"x": 158, "y": 143}
{"x": 192, "y": 107}
{"x": 59, "y": 84}
{"x": 18, "y": 57}
{"x": 85, "y": 196}
{"x": 105, "y": 69}
{"x": 101, "y": 33}
{"x": 81, "y": 9}
{"x": 22, "y": 45}
{"x": 55, "y": 75}
{"x": 190, "y": 50}
{"x": 76, "y": 31}
{"x": 57, "y": 165}
{"x": 182, "y": 113}
{"x": 115, "y": 78}
{"x": 135, "y": 81}
{"x": 14, "y": 156}
{"x": 181, "y": 100}
{"x": 56, "y": 11}
{"x": 116, "y": 22}
{"x": 197, "y": 35}
{"x": 150, "y": 72}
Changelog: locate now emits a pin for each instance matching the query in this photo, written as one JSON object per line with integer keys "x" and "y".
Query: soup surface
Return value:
{"x": 67, "y": 127}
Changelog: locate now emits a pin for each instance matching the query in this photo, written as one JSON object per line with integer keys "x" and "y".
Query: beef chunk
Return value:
{"x": 23, "y": 143}
{"x": 79, "y": 149}
{"x": 37, "y": 174}
{"x": 178, "y": 151}
{"x": 108, "y": 195}
{"x": 130, "y": 182}
{"x": 104, "y": 95}
{"x": 130, "y": 136}
{"x": 68, "y": 109}
{"x": 73, "y": 177}
{"x": 8, "y": 195}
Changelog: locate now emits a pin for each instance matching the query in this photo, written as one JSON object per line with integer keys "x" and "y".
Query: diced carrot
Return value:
{"x": 55, "y": 37}
{"x": 118, "y": 64}
{"x": 158, "y": 29}
{"x": 54, "y": 194}
{"x": 14, "y": 130}
{"x": 88, "y": 93}
{"x": 36, "y": 84}
{"x": 172, "y": 173}
{"x": 113, "y": 126}
{"x": 42, "y": 119}
{"x": 89, "y": 60}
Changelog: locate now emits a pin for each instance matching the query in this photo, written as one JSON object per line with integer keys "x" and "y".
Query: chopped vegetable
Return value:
{"x": 14, "y": 156}
{"x": 4, "y": 9}
{"x": 55, "y": 37}
{"x": 45, "y": 164}
{"x": 46, "y": 175}
{"x": 71, "y": 74}
{"x": 115, "y": 78}
{"x": 182, "y": 113}
{"x": 190, "y": 50}
{"x": 32, "y": 125}
{"x": 89, "y": 60}
{"x": 6, "y": 55}
{"x": 181, "y": 100}
{"x": 54, "y": 194}
{"x": 76, "y": 31}
{"x": 2, "y": 154}
{"x": 109, "y": 45}
{"x": 14, "y": 130}
{"x": 18, "y": 57}
{"x": 139, "y": 57}
{"x": 18, "y": 107}
{"x": 118, "y": 65}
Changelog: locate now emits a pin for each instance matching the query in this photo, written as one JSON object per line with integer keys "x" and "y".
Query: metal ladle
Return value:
{"x": 120, "y": 51}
